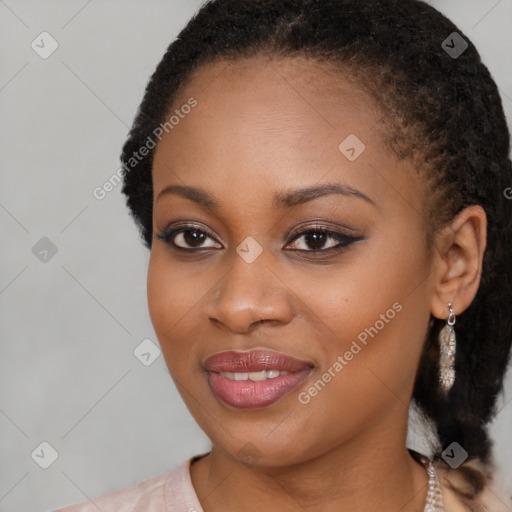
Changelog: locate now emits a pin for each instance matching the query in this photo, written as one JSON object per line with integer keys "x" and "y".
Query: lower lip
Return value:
{"x": 246, "y": 394}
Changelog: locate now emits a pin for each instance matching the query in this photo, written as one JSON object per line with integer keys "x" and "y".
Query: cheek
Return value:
{"x": 378, "y": 300}
{"x": 174, "y": 297}
{"x": 352, "y": 296}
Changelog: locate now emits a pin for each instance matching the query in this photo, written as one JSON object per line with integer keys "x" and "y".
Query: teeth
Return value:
{"x": 254, "y": 376}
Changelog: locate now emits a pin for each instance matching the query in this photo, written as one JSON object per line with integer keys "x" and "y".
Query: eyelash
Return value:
{"x": 344, "y": 240}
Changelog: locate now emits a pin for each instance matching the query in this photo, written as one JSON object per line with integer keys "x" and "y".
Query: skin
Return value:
{"x": 260, "y": 127}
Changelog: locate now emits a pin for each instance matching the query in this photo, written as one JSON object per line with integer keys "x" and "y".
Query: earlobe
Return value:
{"x": 460, "y": 247}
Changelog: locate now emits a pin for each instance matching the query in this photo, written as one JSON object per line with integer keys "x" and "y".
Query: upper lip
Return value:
{"x": 254, "y": 361}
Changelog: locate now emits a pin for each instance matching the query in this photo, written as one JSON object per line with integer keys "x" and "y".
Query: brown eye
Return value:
{"x": 189, "y": 238}
{"x": 322, "y": 240}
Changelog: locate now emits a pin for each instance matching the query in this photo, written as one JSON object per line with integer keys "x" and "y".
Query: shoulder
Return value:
{"x": 150, "y": 494}
{"x": 491, "y": 499}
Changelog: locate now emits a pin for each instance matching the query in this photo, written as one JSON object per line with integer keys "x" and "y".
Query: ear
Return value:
{"x": 457, "y": 261}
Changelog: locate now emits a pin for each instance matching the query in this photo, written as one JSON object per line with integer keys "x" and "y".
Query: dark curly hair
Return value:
{"x": 440, "y": 110}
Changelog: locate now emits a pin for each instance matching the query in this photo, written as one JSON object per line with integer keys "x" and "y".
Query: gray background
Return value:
{"x": 69, "y": 326}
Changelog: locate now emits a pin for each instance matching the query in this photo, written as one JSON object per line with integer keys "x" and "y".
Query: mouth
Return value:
{"x": 248, "y": 380}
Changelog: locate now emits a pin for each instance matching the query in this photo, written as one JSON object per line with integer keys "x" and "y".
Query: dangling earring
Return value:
{"x": 447, "y": 350}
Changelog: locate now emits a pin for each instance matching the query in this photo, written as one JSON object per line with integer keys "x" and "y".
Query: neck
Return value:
{"x": 372, "y": 471}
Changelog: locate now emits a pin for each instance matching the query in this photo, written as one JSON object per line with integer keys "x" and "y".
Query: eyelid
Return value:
{"x": 174, "y": 226}
{"x": 324, "y": 224}
{"x": 339, "y": 230}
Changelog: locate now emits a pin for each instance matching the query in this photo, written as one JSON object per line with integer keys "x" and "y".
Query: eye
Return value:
{"x": 319, "y": 239}
{"x": 188, "y": 237}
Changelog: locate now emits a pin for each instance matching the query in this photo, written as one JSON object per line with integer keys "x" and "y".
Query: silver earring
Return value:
{"x": 447, "y": 351}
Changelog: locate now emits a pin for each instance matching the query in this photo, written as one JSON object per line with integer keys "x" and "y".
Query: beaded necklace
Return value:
{"x": 434, "y": 496}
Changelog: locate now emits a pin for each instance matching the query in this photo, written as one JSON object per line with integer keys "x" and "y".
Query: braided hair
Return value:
{"x": 442, "y": 111}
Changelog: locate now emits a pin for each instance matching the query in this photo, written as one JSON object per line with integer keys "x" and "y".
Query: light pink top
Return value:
{"x": 170, "y": 492}
{"x": 174, "y": 492}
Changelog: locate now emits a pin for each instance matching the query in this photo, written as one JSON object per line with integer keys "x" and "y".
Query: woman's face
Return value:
{"x": 277, "y": 272}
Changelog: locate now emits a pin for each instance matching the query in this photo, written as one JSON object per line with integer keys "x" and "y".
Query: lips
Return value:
{"x": 254, "y": 379}
{"x": 254, "y": 361}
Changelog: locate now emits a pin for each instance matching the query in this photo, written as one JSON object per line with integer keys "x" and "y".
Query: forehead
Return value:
{"x": 275, "y": 121}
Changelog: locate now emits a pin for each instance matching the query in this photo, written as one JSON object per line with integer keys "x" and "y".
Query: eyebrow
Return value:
{"x": 284, "y": 199}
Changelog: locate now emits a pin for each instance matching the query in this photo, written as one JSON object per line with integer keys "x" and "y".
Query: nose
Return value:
{"x": 248, "y": 295}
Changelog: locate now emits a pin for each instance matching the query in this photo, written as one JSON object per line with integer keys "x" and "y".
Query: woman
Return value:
{"x": 322, "y": 185}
